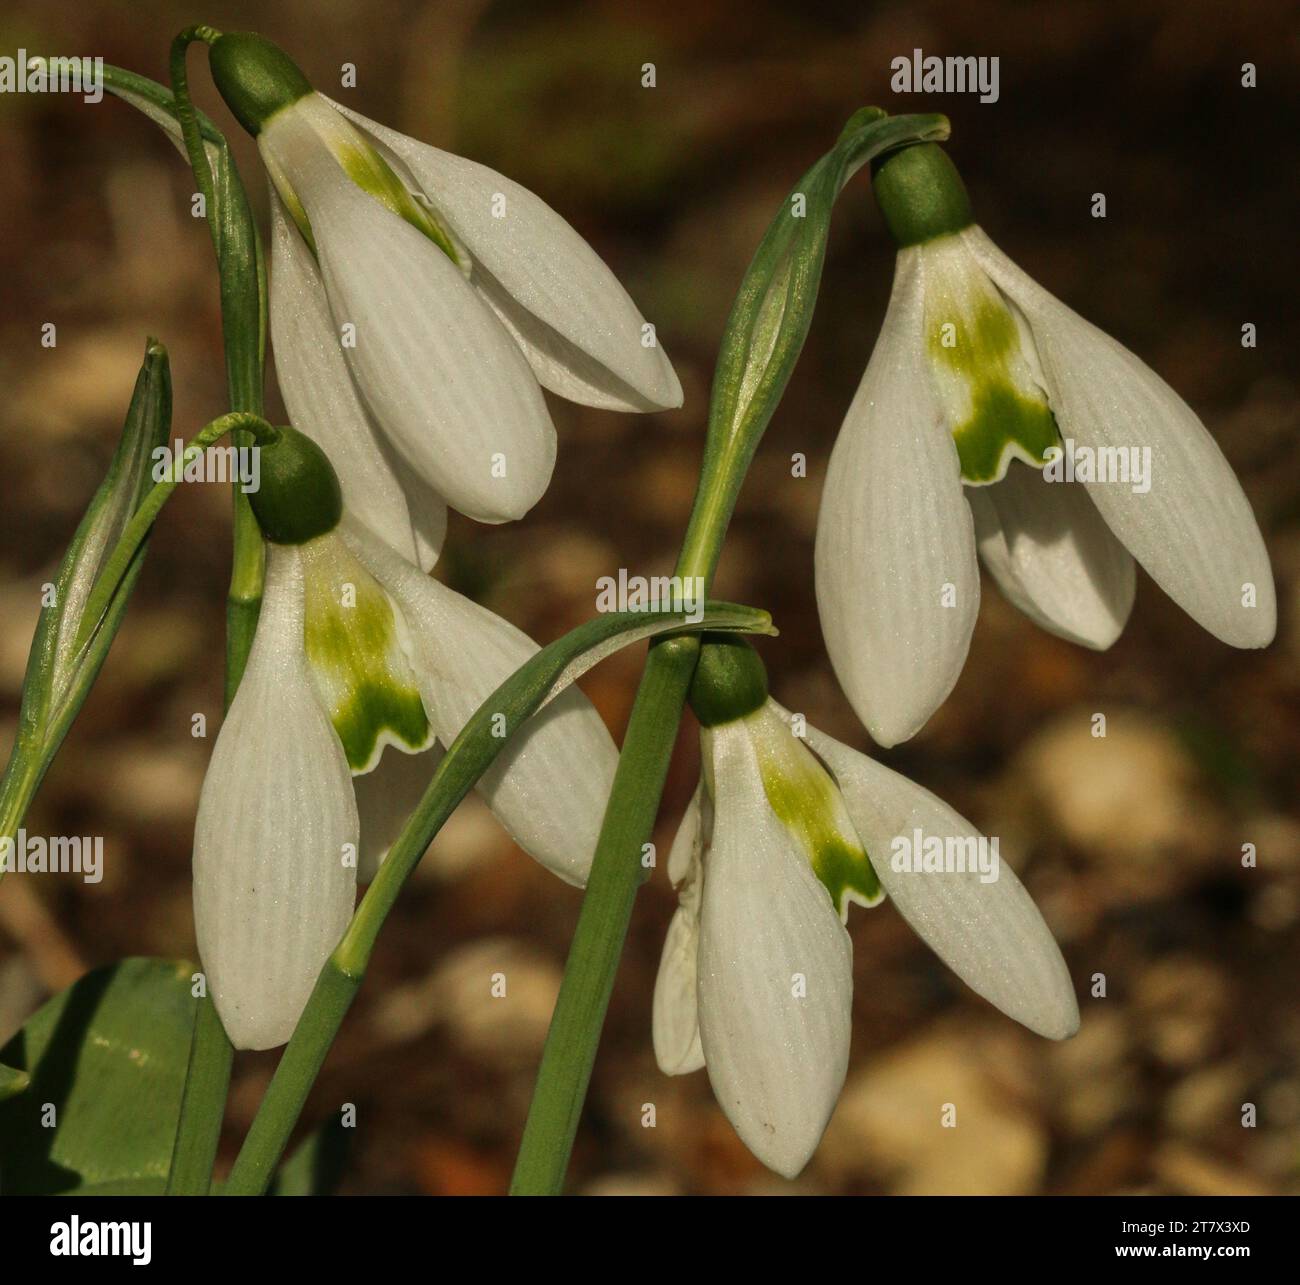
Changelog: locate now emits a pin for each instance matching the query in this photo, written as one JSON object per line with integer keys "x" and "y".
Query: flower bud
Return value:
{"x": 77, "y": 625}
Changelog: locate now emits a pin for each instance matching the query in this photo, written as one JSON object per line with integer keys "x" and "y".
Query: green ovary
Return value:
{"x": 991, "y": 400}
{"x": 808, "y": 803}
{"x": 361, "y": 671}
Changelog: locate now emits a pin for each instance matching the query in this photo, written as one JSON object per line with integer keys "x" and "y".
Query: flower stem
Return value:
{"x": 269, "y": 1135}
{"x": 617, "y": 873}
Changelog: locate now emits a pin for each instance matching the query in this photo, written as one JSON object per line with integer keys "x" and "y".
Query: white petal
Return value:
{"x": 687, "y": 852}
{"x": 319, "y": 394}
{"x": 549, "y": 786}
{"x": 273, "y": 891}
{"x": 578, "y": 327}
{"x": 675, "y": 1011}
{"x": 990, "y": 934}
{"x": 386, "y": 798}
{"x": 768, "y": 933}
{"x": 895, "y": 540}
{"x": 676, "y": 1019}
{"x": 1053, "y": 556}
{"x": 1194, "y": 530}
{"x": 428, "y": 513}
{"x": 440, "y": 374}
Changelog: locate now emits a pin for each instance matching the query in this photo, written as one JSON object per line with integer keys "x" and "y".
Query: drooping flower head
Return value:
{"x": 786, "y": 829}
{"x": 419, "y": 303}
{"x": 356, "y": 653}
{"x": 993, "y": 419}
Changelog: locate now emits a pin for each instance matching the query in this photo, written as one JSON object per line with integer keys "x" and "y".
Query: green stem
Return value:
{"x": 616, "y": 876}
{"x": 243, "y": 313}
{"x": 269, "y": 1135}
{"x": 617, "y": 872}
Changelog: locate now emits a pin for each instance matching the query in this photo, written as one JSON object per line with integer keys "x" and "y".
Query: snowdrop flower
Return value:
{"x": 419, "y": 303}
{"x": 784, "y": 831}
{"x": 979, "y": 379}
{"x": 356, "y": 650}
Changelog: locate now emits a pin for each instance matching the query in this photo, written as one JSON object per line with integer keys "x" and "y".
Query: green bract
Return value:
{"x": 299, "y": 497}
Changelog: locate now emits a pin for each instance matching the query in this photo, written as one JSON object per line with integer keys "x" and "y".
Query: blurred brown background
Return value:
{"x": 1131, "y": 845}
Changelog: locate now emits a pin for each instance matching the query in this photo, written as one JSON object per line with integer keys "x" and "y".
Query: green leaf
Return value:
{"x": 106, "y": 1060}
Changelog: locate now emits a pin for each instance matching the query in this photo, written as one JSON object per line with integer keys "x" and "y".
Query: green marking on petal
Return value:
{"x": 359, "y": 160}
{"x": 1004, "y": 425}
{"x": 985, "y": 379}
{"x": 294, "y": 208}
{"x": 354, "y": 646}
{"x": 808, "y": 802}
{"x": 370, "y": 172}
